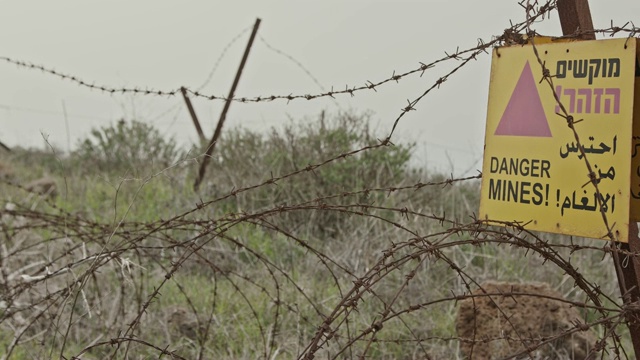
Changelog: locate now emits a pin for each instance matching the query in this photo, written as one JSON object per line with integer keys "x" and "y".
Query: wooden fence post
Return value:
{"x": 223, "y": 115}
{"x": 575, "y": 16}
{"x": 192, "y": 112}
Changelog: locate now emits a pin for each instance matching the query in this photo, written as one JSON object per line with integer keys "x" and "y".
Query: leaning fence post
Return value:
{"x": 192, "y": 112}
{"x": 227, "y": 104}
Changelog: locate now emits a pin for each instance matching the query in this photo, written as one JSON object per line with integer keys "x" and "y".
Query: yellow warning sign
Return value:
{"x": 534, "y": 170}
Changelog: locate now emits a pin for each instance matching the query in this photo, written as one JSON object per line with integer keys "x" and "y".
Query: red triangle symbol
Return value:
{"x": 524, "y": 115}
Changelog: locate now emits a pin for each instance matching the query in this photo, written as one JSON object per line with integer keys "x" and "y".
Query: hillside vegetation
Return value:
{"x": 315, "y": 239}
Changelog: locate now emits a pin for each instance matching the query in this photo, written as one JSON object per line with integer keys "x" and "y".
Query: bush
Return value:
{"x": 245, "y": 158}
{"x": 131, "y": 148}
{"x": 39, "y": 161}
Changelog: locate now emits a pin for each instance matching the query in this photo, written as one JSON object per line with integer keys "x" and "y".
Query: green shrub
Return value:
{"x": 126, "y": 147}
{"x": 38, "y": 161}
{"x": 244, "y": 158}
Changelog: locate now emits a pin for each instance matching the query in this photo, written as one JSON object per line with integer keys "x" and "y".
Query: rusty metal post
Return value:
{"x": 575, "y": 16}
{"x": 629, "y": 284}
{"x": 192, "y": 112}
{"x": 223, "y": 115}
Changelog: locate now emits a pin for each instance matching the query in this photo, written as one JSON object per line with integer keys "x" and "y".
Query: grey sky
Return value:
{"x": 164, "y": 45}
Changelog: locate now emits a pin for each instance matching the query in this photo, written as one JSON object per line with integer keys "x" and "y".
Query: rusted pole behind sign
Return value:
{"x": 629, "y": 282}
{"x": 223, "y": 115}
{"x": 192, "y": 112}
{"x": 575, "y": 15}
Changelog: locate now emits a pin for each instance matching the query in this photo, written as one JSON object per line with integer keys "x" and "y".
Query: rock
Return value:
{"x": 43, "y": 186}
{"x": 184, "y": 323}
{"x": 504, "y": 325}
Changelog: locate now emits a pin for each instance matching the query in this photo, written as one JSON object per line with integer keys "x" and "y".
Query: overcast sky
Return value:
{"x": 167, "y": 44}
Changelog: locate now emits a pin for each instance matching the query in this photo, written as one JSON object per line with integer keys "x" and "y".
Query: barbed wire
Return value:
{"x": 293, "y": 60}
{"x": 429, "y": 248}
{"x": 207, "y": 80}
{"x": 223, "y": 53}
{"x": 509, "y": 36}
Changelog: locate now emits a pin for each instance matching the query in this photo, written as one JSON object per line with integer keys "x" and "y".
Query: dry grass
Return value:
{"x": 362, "y": 255}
